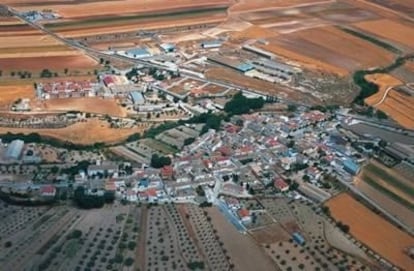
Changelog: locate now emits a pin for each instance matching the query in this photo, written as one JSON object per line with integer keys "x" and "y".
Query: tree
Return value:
{"x": 129, "y": 261}
{"x": 189, "y": 141}
{"x": 240, "y": 104}
{"x": 292, "y": 108}
{"x": 160, "y": 161}
{"x": 8, "y": 244}
{"x": 306, "y": 178}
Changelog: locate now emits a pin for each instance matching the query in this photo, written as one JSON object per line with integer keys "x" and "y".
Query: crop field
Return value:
{"x": 402, "y": 6}
{"x": 98, "y": 131}
{"x": 9, "y": 94}
{"x": 389, "y": 182}
{"x": 372, "y": 230}
{"x": 101, "y": 17}
{"x": 26, "y": 49}
{"x": 329, "y": 49}
{"x": 392, "y": 30}
{"x": 249, "y": 5}
{"x": 397, "y": 104}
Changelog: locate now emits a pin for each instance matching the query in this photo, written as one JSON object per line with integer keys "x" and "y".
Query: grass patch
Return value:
{"x": 371, "y": 39}
{"x": 387, "y": 192}
{"x": 390, "y": 179}
{"x": 159, "y": 146}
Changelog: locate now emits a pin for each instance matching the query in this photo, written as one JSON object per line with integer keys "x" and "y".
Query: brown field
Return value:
{"x": 9, "y": 94}
{"x": 398, "y": 210}
{"x": 396, "y": 31}
{"x": 402, "y": 6}
{"x": 239, "y": 245}
{"x": 253, "y": 32}
{"x": 26, "y": 48}
{"x": 91, "y": 105}
{"x": 372, "y": 230}
{"x": 101, "y": 8}
{"x": 250, "y": 5}
{"x": 397, "y": 105}
{"x": 329, "y": 49}
{"x": 85, "y": 133}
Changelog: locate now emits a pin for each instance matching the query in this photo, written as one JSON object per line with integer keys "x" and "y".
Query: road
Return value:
{"x": 383, "y": 97}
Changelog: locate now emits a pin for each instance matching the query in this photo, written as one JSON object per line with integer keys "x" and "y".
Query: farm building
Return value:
{"x": 137, "y": 98}
{"x": 258, "y": 51}
{"x": 350, "y": 166}
{"x": 231, "y": 63}
{"x": 138, "y": 53}
{"x": 211, "y": 44}
{"x": 15, "y": 149}
{"x": 168, "y": 47}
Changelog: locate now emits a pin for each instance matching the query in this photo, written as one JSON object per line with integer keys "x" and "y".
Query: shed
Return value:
{"x": 298, "y": 238}
{"x": 350, "y": 166}
{"x": 137, "y": 97}
{"x": 168, "y": 47}
{"x": 211, "y": 44}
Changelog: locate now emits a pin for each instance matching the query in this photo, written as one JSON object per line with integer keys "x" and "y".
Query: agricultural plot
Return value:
{"x": 168, "y": 243}
{"x": 321, "y": 250}
{"x": 392, "y": 30}
{"x": 329, "y": 49}
{"x": 101, "y": 17}
{"x": 390, "y": 183}
{"x": 372, "y": 230}
{"x": 99, "y": 131}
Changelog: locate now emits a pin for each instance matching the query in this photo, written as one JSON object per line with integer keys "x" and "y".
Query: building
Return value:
{"x": 168, "y": 47}
{"x": 15, "y": 149}
{"x": 351, "y": 167}
{"x": 48, "y": 191}
{"x": 281, "y": 185}
{"x": 298, "y": 238}
{"x": 138, "y": 53}
{"x": 231, "y": 63}
{"x": 211, "y": 44}
{"x": 137, "y": 98}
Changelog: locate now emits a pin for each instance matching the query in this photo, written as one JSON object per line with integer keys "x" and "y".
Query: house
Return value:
{"x": 48, "y": 191}
{"x": 244, "y": 215}
{"x": 131, "y": 195}
{"x": 167, "y": 172}
{"x": 104, "y": 168}
{"x": 281, "y": 185}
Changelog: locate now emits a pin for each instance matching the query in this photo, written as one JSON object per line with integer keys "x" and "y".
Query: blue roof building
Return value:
{"x": 15, "y": 149}
{"x": 245, "y": 67}
{"x": 298, "y": 238}
{"x": 350, "y": 166}
{"x": 137, "y": 97}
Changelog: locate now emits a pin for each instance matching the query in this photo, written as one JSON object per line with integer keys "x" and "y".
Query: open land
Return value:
{"x": 98, "y": 131}
{"x": 91, "y": 105}
{"x": 9, "y": 94}
{"x": 372, "y": 230}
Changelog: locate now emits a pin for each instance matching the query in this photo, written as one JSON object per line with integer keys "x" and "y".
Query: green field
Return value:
{"x": 390, "y": 179}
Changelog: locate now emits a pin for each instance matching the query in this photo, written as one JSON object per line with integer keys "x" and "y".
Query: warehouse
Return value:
{"x": 137, "y": 98}
{"x": 15, "y": 149}
{"x": 211, "y": 44}
{"x": 231, "y": 63}
{"x": 138, "y": 53}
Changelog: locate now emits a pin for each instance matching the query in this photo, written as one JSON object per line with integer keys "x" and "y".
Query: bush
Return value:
{"x": 129, "y": 261}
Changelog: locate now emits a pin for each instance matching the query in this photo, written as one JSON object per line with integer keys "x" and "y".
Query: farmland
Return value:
{"x": 372, "y": 230}
{"x": 394, "y": 31}
{"x": 329, "y": 49}
{"x": 98, "y": 131}
{"x": 389, "y": 183}
{"x": 101, "y": 17}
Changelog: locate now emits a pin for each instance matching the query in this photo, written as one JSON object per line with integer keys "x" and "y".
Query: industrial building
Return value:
{"x": 15, "y": 149}
{"x": 168, "y": 47}
{"x": 138, "y": 53}
{"x": 211, "y": 44}
{"x": 137, "y": 98}
{"x": 231, "y": 63}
